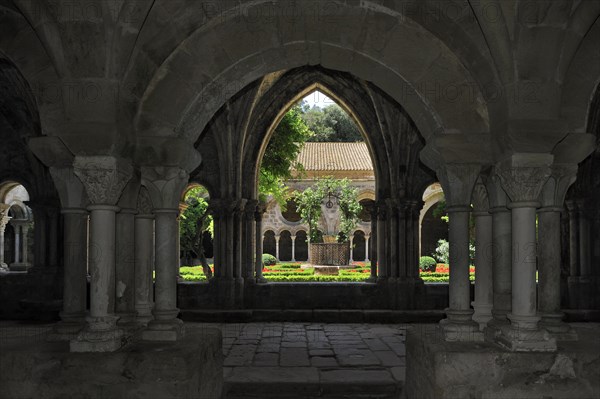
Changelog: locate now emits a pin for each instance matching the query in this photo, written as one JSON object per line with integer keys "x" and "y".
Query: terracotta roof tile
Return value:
{"x": 336, "y": 156}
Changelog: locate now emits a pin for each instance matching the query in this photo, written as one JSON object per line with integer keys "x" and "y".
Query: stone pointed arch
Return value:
{"x": 409, "y": 59}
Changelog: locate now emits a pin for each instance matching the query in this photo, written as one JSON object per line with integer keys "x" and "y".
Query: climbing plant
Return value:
{"x": 331, "y": 191}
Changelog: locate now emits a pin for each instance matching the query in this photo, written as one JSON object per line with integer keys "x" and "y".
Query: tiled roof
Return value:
{"x": 335, "y": 156}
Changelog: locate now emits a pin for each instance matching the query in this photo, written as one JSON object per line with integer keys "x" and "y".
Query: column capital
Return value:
{"x": 523, "y": 176}
{"x": 103, "y": 177}
{"x": 458, "y": 180}
{"x": 250, "y": 209}
{"x": 554, "y": 191}
{"x": 144, "y": 203}
{"x": 165, "y": 185}
{"x": 480, "y": 199}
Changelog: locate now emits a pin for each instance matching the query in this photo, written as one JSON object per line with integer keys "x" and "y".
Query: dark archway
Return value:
{"x": 359, "y": 242}
{"x": 285, "y": 246}
{"x": 433, "y": 228}
{"x": 301, "y": 246}
{"x": 269, "y": 244}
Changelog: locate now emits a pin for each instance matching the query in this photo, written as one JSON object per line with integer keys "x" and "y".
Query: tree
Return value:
{"x": 331, "y": 123}
{"x": 194, "y": 222}
{"x": 309, "y": 206}
{"x": 281, "y": 155}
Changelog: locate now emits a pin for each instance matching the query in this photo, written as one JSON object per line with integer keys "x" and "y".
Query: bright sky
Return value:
{"x": 319, "y": 99}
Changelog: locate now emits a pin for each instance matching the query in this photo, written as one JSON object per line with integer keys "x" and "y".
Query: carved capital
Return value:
{"x": 480, "y": 198}
{"x": 165, "y": 185}
{"x": 144, "y": 203}
{"x": 523, "y": 175}
{"x": 497, "y": 197}
{"x": 250, "y": 209}
{"x": 4, "y": 218}
{"x": 458, "y": 180}
{"x": 103, "y": 177}
{"x": 555, "y": 189}
{"x": 70, "y": 188}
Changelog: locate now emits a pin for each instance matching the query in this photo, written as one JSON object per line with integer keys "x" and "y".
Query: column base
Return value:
{"x": 459, "y": 326}
{"x": 372, "y": 279}
{"x": 523, "y": 335}
{"x": 482, "y": 314}
{"x": 3, "y": 266}
{"x": 558, "y": 329}
{"x": 261, "y": 280}
{"x": 100, "y": 335}
{"x": 144, "y": 315}
{"x": 67, "y": 329}
{"x": 164, "y": 330}
{"x": 127, "y": 319}
{"x": 19, "y": 267}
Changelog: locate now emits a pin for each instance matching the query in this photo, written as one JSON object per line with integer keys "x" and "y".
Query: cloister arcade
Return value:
{"x": 105, "y": 121}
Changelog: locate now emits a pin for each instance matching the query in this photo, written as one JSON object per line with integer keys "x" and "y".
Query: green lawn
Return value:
{"x": 292, "y": 272}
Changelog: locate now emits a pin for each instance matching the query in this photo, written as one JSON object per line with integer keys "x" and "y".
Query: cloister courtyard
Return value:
{"x": 181, "y": 218}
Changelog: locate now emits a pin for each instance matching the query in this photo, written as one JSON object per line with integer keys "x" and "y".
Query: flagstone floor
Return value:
{"x": 307, "y": 360}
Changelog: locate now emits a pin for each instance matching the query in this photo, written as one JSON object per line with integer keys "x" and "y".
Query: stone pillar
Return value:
{"x": 125, "y": 266}
{"x": 402, "y": 239}
{"x": 483, "y": 257}
{"x": 165, "y": 326}
{"x": 458, "y": 181}
{"x": 549, "y": 254}
{"x": 104, "y": 179}
{"x": 216, "y": 211}
{"x": 382, "y": 272}
{"x": 523, "y": 176}
{"x": 373, "y": 210}
{"x": 144, "y": 247}
{"x": 277, "y": 246}
{"x": 573, "y": 238}
{"x": 17, "y": 228}
{"x": 393, "y": 234}
{"x": 585, "y": 266}
{"x": 501, "y": 254}
{"x": 75, "y": 273}
{"x": 367, "y": 243}
{"x": 294, "y": 249}
{"x": 25, "y": 258}
{"x": 412, "y": 246}
{"x": 249, "y": 230}
{"x": 258, "y": 215}
{"x": 4, "y": 219}
{"x": 165, "y": 186}
{"x": 238, "y": 239}
{"x": 53, "y": 232}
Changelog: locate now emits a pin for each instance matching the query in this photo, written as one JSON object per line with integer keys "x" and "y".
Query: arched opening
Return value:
{"x": 359, "y": 250}
{"x": 196, "y": 230}
{"x": 432, "y": 220}
{"x": 16, "y": 228}
{"x": 301, "y": 246}
{"x": 269, "y": 244}
{"x": 285, "y": 246}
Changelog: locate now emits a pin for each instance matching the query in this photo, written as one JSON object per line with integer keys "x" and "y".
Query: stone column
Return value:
{"x": 367, "y": 243}
{"x": 249, "y": 230}
{"x": 260, "y": 210}
{"x": 394, "y": 253}
{"x": 412, "y": 246}
{"x": 17, "y": 228}
{"x": 372, "y": 207}
{"x": 125, "y": 267}
{"x": 165, "y": 186}
{"x": 53, "y": 232}
{"x": 277, "y": 246}
{"x": 585, "y": 267}
{"x": 165, "y": 326}
{"x": 144, "y": 248}
{"x": 382, "y": 272}
{"x": 104, "y": 179}
{"x": 230, "y": 209}
{"x": 458, "y": 181}
{"x": 294, "y": 249}
{"x": 238, "y": 239}
{"x": 573, "y": 238}
{"x": 402, "y": 238}
{"x": 25, "y": 230}
{"x": 523, "y": 176}
{"x": 215, "y": 210}
{"x": 4, "y": 218}
{"x": 483, "y": 257}
{"x": 501, "y": 254}
{"x": 549, "y": 254}
{"x": 75, "y": 271}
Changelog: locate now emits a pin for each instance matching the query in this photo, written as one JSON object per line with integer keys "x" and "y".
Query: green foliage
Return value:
{"x": 427, "y": 263}
{"x": 331, "y": 123}
{"x": 269, "y": 260}
{"x": 194, "y": 218}
{"x": 309, "y": 206}
{"x": 281, "y": 154}
{"x": 442, "y": 252}
{"x": 440, "y": 211}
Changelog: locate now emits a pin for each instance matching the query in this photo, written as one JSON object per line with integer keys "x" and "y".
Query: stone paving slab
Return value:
{"x": 268, "y": 360}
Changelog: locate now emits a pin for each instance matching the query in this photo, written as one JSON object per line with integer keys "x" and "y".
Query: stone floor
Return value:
{"x": 295, "y": 360}
{"x": 306, "y": 360}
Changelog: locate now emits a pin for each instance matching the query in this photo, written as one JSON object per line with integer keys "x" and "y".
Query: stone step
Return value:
{"x": 310, "y": 382}
{"x": 312, "y": 315}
